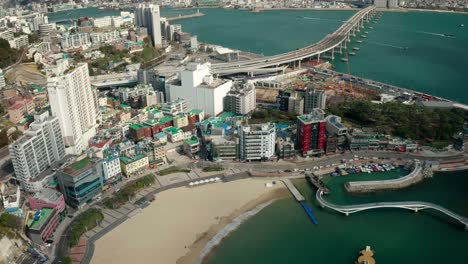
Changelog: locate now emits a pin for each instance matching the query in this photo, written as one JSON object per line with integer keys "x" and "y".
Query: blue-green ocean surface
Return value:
{"x": 282, "y": 233}
{"x": 408, "y": 49}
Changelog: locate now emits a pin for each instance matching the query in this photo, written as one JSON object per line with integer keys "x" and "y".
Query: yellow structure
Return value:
{"x": 131, "y": 165}
{"x": 367, "y": 256}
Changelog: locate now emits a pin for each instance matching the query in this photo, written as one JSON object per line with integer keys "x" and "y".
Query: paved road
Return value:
{"x": 62, "y": 248}
{"x": 329, "y": 160}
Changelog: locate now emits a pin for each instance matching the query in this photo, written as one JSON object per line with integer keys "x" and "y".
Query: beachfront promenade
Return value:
{"x": 234, "y": 171}
{"x": 337, "y": 39}
{"x": 410, "y": 205}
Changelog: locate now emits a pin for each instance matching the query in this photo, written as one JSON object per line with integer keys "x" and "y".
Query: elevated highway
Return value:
{"x": 337, "y": 39}
{"x": 114, "y": 80}
{"x": 413, "y": 205}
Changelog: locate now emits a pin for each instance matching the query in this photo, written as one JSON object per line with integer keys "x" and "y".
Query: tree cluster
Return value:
{"x": 407, "y": 121}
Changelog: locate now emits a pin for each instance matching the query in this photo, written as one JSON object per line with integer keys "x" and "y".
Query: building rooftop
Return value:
{"x": 336, "y": 121}
{"x": 172, "y": 130}
{"x": 309, "y": 118}
{"x": 38, "y": 224}
{"x": 165, "y": 120}
{"x": 137, "y": 126}
{"x": 48, "y": 195}
{"x": 192, "y": 141}
{"x": 78, "y": 167}
{"x": 195, "y": 112}
{"x": 127, "y": 160}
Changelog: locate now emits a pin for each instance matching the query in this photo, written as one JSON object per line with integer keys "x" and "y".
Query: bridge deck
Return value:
{"x": 410, "y": 205}
{"x": 297, "y": 195}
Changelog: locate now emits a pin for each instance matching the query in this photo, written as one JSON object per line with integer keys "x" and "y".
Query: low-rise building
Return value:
{"x": 47, "y": 198}
{"x": 175, "y": 107}
{"x": 10, "y": 195}
{"x": 109, "y": 168}
{"x": 181, "y": 120}
{"x": 285, "y": 148}
{"x": 223, "y": 148}
{"x": 79, "y": 182}
{"x": 43, "y": 225}
{"x": 191, "y": 146}
{"x": 175, "y": 134}
{"x": 132, "y": 165}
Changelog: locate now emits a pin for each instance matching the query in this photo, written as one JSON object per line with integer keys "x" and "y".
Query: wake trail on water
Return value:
{"x": 387, "y": 45}
{"x": 216, "y": 240}
{"x": 324, "y": 19}
{"x": 431, "y": 33}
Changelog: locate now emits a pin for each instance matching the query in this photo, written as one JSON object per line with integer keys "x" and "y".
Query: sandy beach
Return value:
{"x": 176, "y": 227}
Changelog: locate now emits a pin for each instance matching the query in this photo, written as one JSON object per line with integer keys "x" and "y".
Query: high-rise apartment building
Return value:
{"x": 74, "y": 102}
{"x": 148, "y": 16}
{"x": 240, "y": 100}
{"x": 33, "y": 153}
{"x": 314, "y": 98}
{"x": 257, "y": 142}
{"x": 311, "y": 133}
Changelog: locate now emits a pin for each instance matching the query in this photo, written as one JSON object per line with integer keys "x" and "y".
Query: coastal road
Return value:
{"x": 335, "y": 159}
{"x": 62, "y": 247}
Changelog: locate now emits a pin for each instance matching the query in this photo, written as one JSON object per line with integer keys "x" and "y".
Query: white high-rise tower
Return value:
{"x": 33, "y": 153}
{"x": 73, "y": 102}
{"x": 148, "y": 16}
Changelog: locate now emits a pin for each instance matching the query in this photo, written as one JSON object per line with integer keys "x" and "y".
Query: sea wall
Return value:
{"x": 418, "y": 173}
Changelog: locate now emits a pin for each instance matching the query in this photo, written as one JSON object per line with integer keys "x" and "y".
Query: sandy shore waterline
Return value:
{"x": 176, "y": 227}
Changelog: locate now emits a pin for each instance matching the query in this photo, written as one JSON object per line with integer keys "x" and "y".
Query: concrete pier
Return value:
{"x": 297, "y": 195}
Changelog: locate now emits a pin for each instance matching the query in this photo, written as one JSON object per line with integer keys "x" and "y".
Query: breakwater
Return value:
{"x": 418, "y": 173}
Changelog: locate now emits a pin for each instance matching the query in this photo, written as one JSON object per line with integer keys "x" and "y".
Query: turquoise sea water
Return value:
{"x": 432, "y": 63}
{"x": 282, "y": 233}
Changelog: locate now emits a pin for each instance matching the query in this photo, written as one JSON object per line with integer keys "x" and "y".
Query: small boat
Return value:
{"x": 356, "y": 48}
{"x": 371, "y": 27}
{"x": 352, "y": 53}
{"x": 344, "y": 59}
{"x": 461, "y": 25}
{"x": 359, "y": 41}
{"x": 449, "y": 35}
{"x": 364, "y": 36}
{"x": 366, "y": 32}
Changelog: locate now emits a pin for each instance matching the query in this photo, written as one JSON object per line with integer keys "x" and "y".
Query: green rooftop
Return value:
{"x": 127, "y": 160}
{"x": 172, "y": 130}
{"x": 155, "y": 111}
{"x": 151, "y": 122}
{"x": 46, "y": 213}
{"x": 78, "y": 167}
{"x": 124, "y": 106}
{"x": 192, "y": 141}
{"x": 195, "y": 112}
{"x": 165, "y": 120}
{"x": 136, "y": 126}
{"x": 80, "y": 164}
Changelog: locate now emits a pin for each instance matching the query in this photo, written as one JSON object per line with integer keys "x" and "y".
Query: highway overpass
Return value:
{"x": 114, "y": 80}
{"x": 337, "y": 39}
